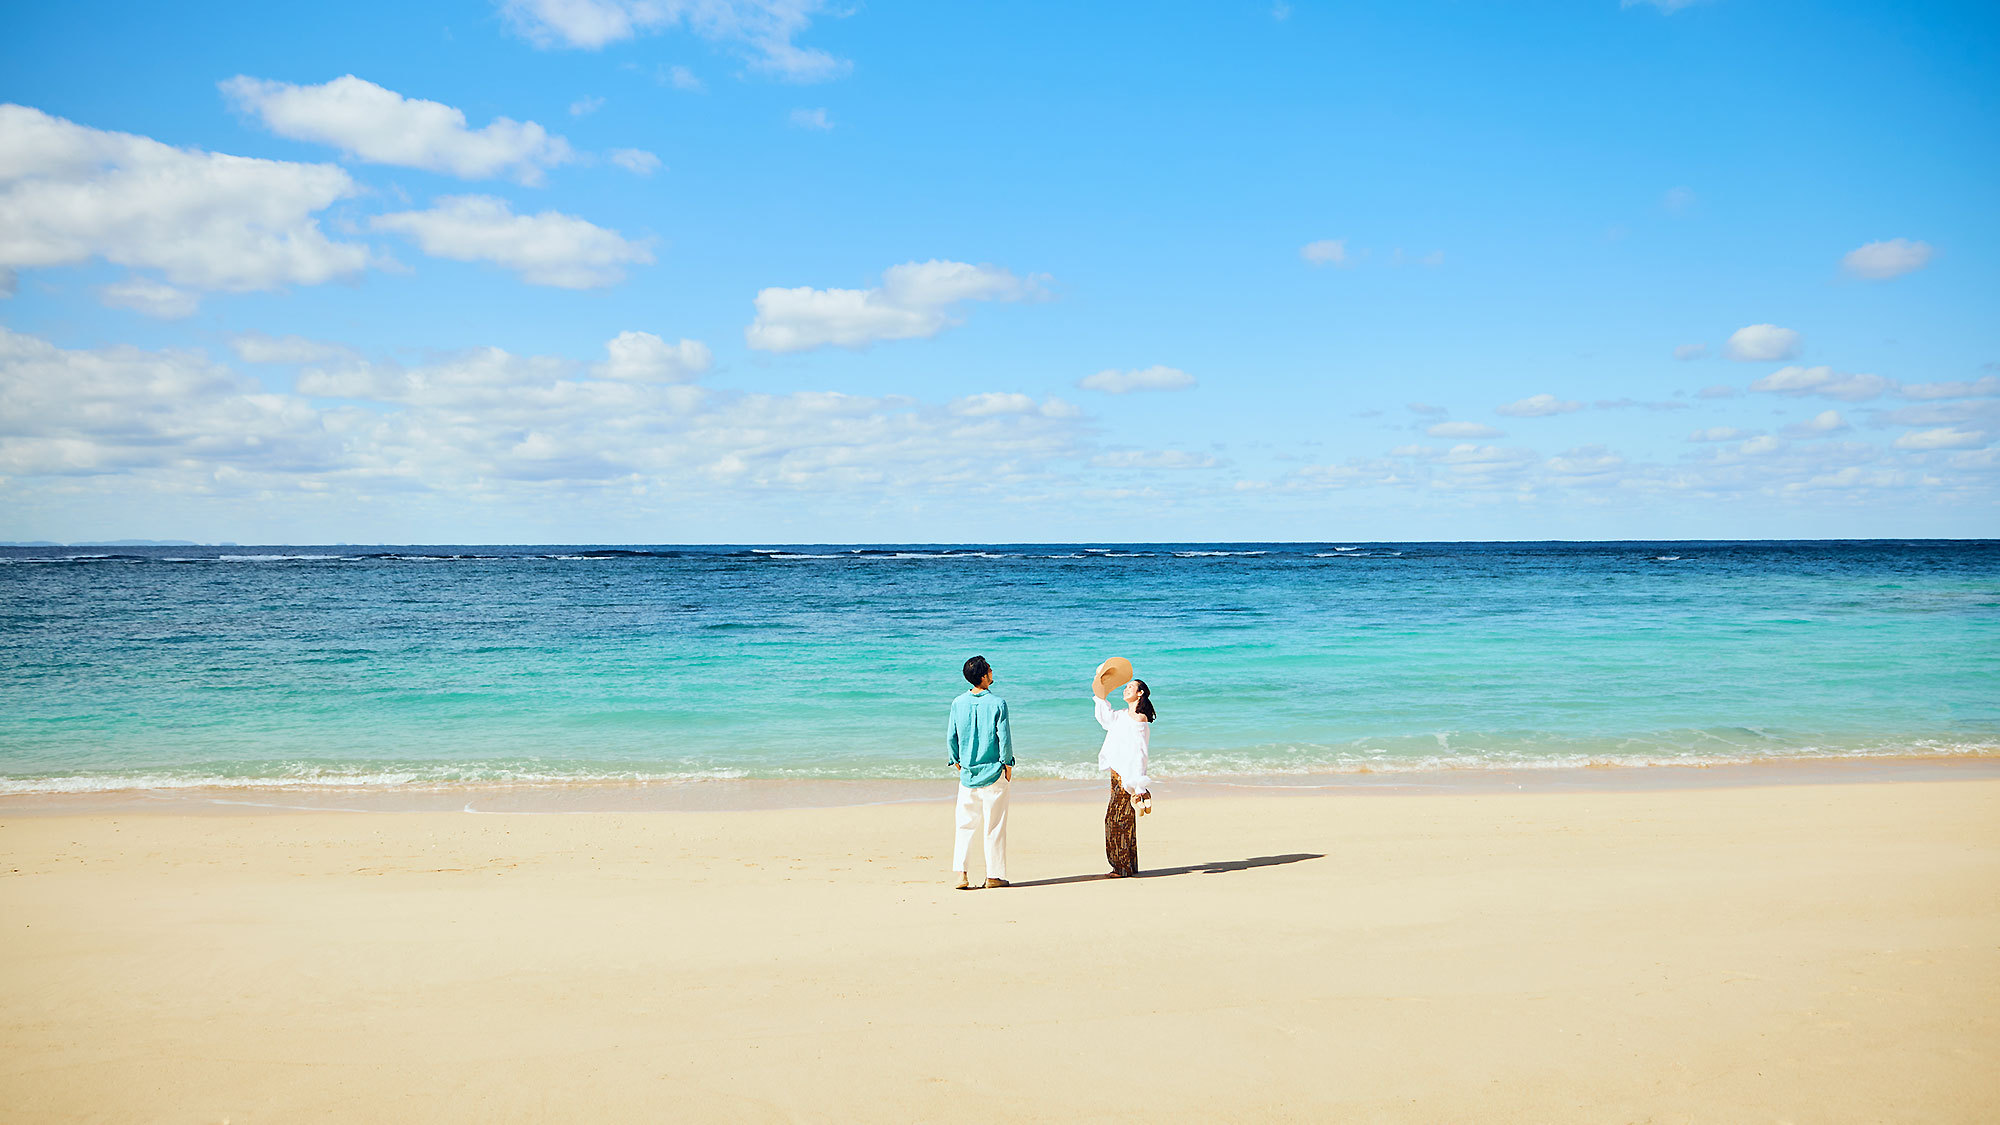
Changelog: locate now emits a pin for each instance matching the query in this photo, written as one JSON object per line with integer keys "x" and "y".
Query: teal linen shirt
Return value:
{"x": 982, "y": 744}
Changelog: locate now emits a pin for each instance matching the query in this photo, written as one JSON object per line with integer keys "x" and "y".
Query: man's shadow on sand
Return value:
{"x": 1215, "y": 868}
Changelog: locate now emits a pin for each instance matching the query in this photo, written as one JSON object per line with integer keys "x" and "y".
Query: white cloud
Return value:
{"x": 1718, "y": 390}
{"x": 1153, "y": 459}
{"x": 913, "y": 301}
{"x": 486, "y": 427}
{"x": 1156, "y": 378}
{"x": 381, "y": 126}
{"x": 1987, "y": 386}
{"x": 1941, "y": 439}
{"x": 1758, "y": 446}
{"x": 1880, "y": 261}
{"x": 639, "y": 162}
{"x": 1763, "y": 343}
{"x": 549, "y": 248}
{"x": 585, "y": 105}
{"x": 1538, "y": 406}
{"x": 255, "y": 347}
{"x": 1719, "y": 433}
{"x": 1690, "y": 351}
{"x": 1427, "y": 409}
{"x": 1800, "y": 381}
{"x": 69, "y": 194}
{"x": 1585, "y": 465}
{"x": 80, "y": 413}
{"x": 1326, "y": 252}
{"x": 1462, "y": 430}
{"x": 143, "y": 295}
{"x": 641, "y": 357}
{"x": 1819, "y": 425}
{"x": 763, "y": 29}
{"x": 1678, "y": 200}
{"x": 681, "y": 78}
{"x": 811, "y": 119}
{"x": 995, "y": 403}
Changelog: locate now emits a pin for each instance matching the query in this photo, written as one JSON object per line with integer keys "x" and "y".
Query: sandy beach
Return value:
{"x": 1781, "y": 953}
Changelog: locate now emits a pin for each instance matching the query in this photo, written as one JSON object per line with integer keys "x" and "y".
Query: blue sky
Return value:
{"x": 777, "y": 271}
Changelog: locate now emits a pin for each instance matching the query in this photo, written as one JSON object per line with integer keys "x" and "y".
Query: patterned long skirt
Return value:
{"x": 1121, "y": 831}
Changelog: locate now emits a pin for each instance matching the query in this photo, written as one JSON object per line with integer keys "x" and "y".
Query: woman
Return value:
{"x": 1126, "y": 734}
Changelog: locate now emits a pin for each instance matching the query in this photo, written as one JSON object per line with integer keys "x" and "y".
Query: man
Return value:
{"x": 982, "y": 751}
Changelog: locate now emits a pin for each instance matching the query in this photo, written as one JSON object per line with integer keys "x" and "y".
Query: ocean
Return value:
{"x": 399, "y": 667}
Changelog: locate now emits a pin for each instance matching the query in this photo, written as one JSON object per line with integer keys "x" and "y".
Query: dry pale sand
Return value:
{"x": 1794, "y": 953}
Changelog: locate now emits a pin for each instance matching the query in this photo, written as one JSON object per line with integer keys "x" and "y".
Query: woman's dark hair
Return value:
{"x": 1144, "y": 704}
{"x": 976, "y": 669}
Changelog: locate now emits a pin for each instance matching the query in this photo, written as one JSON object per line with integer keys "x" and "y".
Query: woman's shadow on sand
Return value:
{"x": 1215, "y": 868}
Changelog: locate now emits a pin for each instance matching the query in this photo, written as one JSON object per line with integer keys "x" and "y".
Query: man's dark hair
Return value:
{"x": 976, "y": 669}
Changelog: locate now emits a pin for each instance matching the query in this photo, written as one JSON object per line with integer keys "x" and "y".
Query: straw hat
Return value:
{"x": 1113, "y": 673}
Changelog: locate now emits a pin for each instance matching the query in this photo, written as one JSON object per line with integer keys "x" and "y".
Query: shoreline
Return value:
{"x": 781, "y": 794}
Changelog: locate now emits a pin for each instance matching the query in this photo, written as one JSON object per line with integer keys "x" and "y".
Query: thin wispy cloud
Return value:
{"x": 1156, "y": 378}
{"x": 762, "y": 31}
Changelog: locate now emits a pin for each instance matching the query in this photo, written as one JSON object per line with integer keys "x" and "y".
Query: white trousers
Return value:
{"x": 992, "y": 800}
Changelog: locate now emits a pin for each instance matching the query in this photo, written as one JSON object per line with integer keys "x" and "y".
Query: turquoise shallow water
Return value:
{"x": 311, "y": 666}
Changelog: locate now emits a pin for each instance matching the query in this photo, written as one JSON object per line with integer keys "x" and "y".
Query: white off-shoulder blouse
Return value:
{"x": 1125, "y": 742}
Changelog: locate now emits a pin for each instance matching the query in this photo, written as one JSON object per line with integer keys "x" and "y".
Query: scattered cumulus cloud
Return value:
{"x": 1801, "y": 381}
{"x": 1462, "y": 430}
{"x": 913, "y": 301}
{"x": 1686, "y": 352}
{"x": 641, "y": 357}
{"x": 1763, "y": 343}
{"x": 639, "y": 162}
{"x": 1325, "y": 252}
{"x": 1880, "y": 261}
{"x": 1717, "y": 390}
{"x": 585, "y": 105}
{"x": 1427, "y": 409}
{"x": 549, "y": 248}
{"x": 681, "y": 78}
{"x": 811, "y": 119}
{"x": 1155, "y": 378}
{"x": 152, "y": 298}
{"x": 381, "y": 126}
{"x": 1538, "y": 406}
{"x": 70, "y": 194}
{"x": 763, "y": 30}
{"x": 544, "y": 428}
{"x": 1819, "y": 425}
